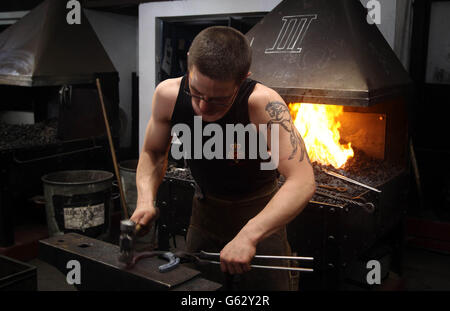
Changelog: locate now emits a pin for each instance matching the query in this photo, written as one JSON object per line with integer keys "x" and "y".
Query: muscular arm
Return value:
{"x": 294, "y": 165}
{"x": 153, "y": 158}
{"x": 267, "y": 107}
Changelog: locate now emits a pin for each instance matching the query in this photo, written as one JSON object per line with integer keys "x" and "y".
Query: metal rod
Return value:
{"x": 273, "y": 267}
{"x": 267, "y": 256}
{"x": 349, "y": 180}
{"x": 113, "y": 152}
{"x": 284, "y": 257}
{"x": 283, "y": 268}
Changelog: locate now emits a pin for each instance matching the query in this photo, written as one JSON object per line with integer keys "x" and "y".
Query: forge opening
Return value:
{"x": 334, "y": 136}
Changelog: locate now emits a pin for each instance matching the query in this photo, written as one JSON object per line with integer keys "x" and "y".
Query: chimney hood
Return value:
{"x": 42, "y": 49}
{"x": 326, "y": 52}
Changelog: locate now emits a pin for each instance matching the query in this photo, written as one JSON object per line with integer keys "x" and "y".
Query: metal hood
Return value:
{"x": 323, "y": 51}
{"x": 42, "y": 49}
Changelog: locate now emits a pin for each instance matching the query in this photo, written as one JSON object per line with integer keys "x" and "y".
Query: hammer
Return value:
{"x": 129, "y": 230}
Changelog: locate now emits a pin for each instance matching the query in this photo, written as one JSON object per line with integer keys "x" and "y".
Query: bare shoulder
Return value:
{"x": 167, "y": 90}
{"x": 260, "y": 101}
{"x": 164, "y": 98}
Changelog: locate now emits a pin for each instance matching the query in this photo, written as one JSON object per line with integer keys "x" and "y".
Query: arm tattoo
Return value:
{"x": 279, "y": 114}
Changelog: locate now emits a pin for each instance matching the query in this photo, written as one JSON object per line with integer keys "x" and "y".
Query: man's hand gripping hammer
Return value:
{"x": 129, "y": 230}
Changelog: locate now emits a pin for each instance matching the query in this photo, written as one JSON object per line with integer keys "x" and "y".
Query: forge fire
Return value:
{"x": 320, "y": 130}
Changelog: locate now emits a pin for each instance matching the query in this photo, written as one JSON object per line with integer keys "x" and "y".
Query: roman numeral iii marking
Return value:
{"x": 291, "y": 34}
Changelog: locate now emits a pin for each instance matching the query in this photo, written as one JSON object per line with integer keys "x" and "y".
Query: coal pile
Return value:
{"x": 365, "y": 169}
{"x": 361, "y": 167}
{"x": 16, "y": 136}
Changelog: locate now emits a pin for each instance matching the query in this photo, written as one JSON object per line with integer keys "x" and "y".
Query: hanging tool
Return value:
{"x": 368, "y": 206}
{"x": 113, "y": 152}
{"x": 349, "y": 180}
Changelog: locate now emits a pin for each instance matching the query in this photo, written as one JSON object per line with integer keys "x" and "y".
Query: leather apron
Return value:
{"x": 215, "y": 221}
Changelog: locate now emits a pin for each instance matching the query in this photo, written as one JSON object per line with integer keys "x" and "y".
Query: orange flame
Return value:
{"x": 318, "y": 126}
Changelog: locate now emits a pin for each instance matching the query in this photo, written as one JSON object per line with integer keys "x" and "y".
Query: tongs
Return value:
{"x": 203, "y": 257}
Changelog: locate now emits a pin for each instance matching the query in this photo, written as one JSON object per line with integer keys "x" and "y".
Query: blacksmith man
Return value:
{"x": 241, "y": 211}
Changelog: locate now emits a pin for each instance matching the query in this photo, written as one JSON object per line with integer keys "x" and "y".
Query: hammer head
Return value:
{"x": 126, "y": 242}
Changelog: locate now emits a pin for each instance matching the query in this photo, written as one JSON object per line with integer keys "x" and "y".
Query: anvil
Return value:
{"x": 100, "y": 268}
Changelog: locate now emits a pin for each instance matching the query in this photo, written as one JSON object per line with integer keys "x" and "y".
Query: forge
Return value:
{"x": 323, "y": 56}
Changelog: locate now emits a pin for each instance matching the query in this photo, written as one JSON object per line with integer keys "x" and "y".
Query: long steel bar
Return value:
{"x": 349, "y": 180}
{"x": 272, "y": 267}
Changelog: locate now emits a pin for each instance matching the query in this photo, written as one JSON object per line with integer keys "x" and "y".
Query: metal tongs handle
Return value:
{"x": 264, "y": 256}
{"x": 205, "y": 254}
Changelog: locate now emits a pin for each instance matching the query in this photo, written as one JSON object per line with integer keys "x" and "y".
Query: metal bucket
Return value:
{"x": 127, "y": 170}
{"x": 78, "y": 201}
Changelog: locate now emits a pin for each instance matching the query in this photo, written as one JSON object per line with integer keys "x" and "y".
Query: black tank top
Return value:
{"x": 224, "y": 176}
